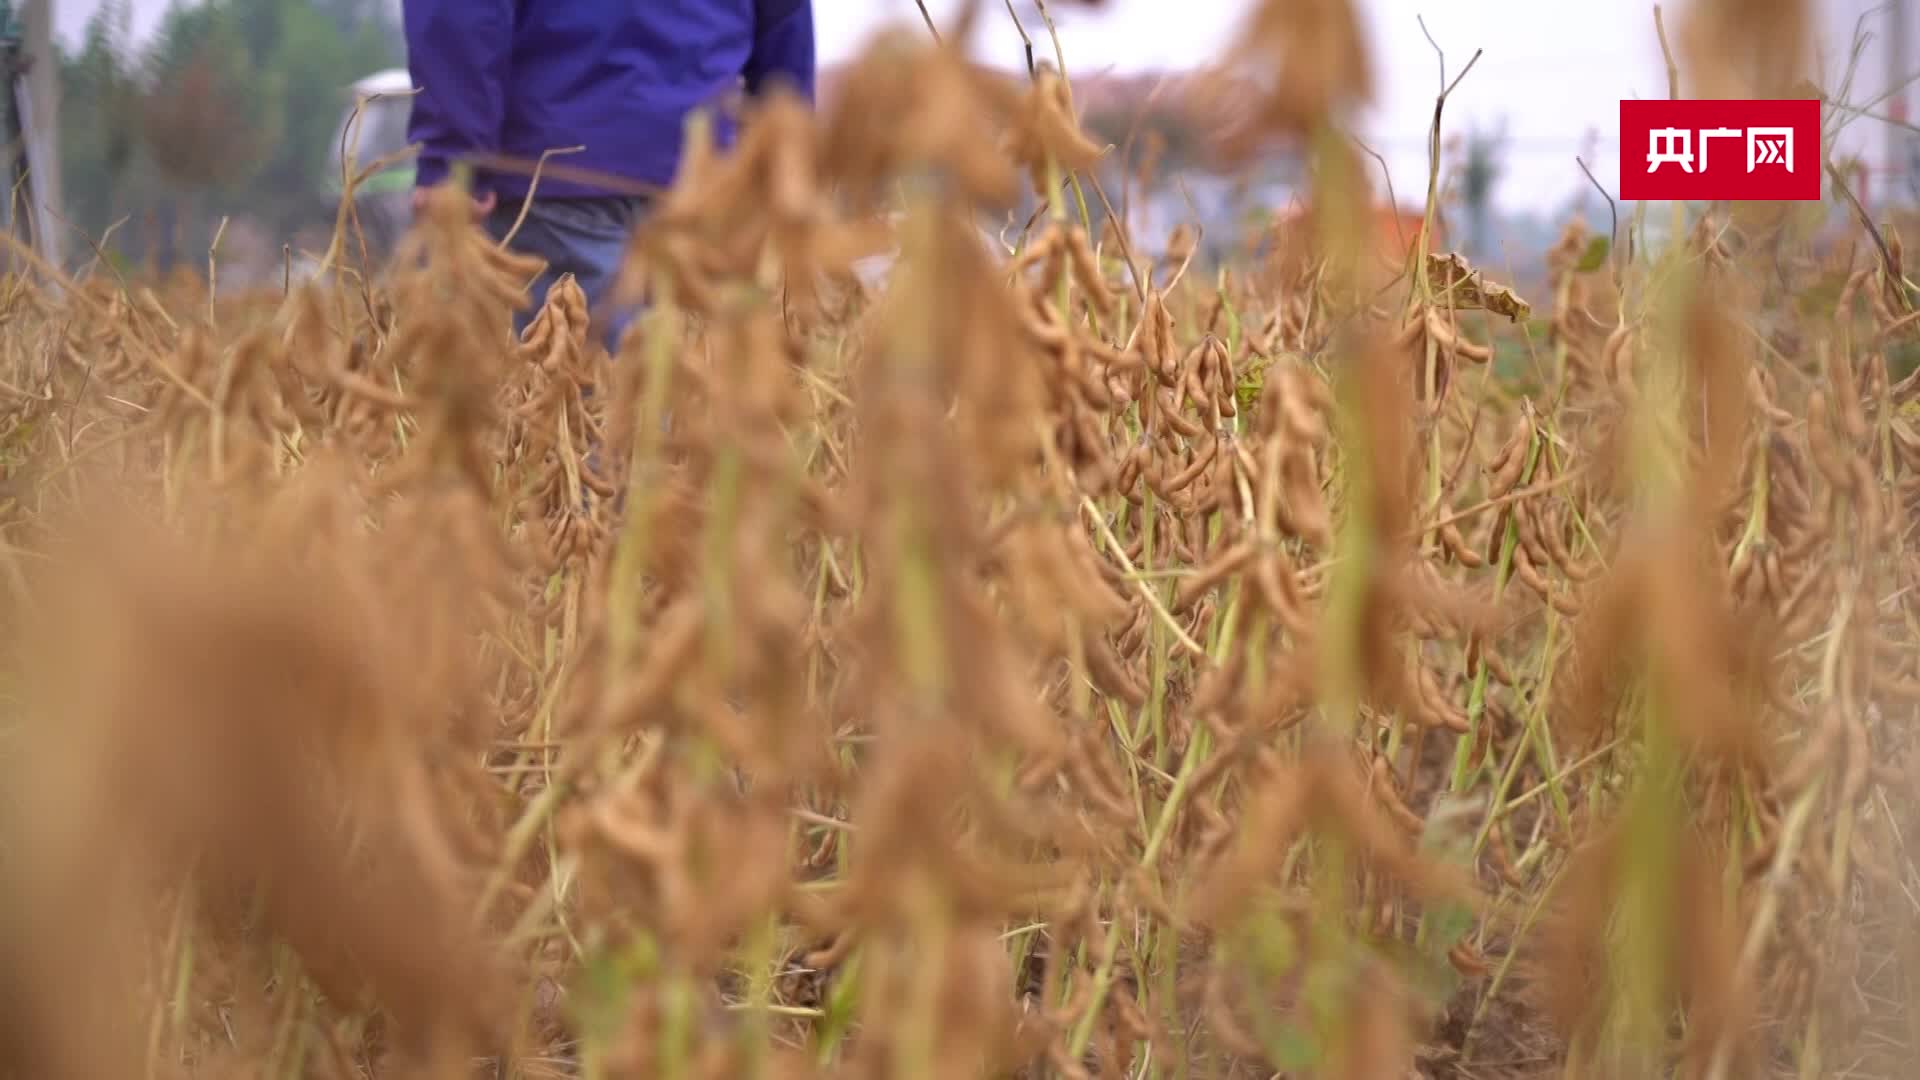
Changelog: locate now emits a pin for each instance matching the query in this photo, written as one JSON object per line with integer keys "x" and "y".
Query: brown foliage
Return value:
{"x": 1033, "y": 665}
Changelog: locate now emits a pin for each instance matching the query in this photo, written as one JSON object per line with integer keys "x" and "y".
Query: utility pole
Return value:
{"x": 28, "y": 137}
{"x": 1900, "y": 143}
{"x": 43, "y": 88}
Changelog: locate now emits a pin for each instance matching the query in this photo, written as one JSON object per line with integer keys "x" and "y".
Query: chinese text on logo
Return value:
{"x": 1713, "y": 150}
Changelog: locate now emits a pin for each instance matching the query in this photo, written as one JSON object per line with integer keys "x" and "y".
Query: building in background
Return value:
{"x": 1887, "y": 34}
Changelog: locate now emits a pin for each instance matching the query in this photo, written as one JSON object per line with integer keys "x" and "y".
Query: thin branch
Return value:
{"x": 1120, "y": 235}
{"x": 1059, "y": 54}
{"x": 1508, "y": 499}
{"x": 1882, "y": 117}
{"x": 1025, "y": 40}
{"x": 928, "y": 18}
{"x": 1613, "y": 222}
{"x": 1438, "y": 51}
{"x": 1666, "y": 50}
{"x": 1384, "y": 174}
{"x": 532, "y": 186}
{"x": 1886, "y": 256}
{"x": 1422, "y": 288}
{"x": 1472, "y": 60}
{"x": 1146, "y": 590}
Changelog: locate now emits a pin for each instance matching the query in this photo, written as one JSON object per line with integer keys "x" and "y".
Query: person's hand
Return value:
{"x": 482, "y": 204}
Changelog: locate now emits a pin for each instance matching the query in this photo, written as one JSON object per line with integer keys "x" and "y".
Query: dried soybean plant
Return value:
{"x": 1030, "y": 666}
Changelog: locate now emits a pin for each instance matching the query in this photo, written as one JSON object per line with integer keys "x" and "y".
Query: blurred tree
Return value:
{"x": 211, "y": 111}
{"x": 98, "y": 126}
{"x": 315, "y": 59}
{"x": 374, "y": 18}
{"x": 228, "y": 110}
{"x": 1485, "y": 154}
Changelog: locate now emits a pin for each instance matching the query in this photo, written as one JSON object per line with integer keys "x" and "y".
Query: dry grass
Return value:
{"x": 1052, "y": 664}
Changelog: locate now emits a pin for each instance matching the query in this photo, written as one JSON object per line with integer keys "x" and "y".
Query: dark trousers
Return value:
{"x": 583, "y": 237}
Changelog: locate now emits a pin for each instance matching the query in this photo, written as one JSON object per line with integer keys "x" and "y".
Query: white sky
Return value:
{"x": 1555, "y": 70}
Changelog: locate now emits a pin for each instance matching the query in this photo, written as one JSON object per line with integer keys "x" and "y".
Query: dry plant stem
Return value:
{"x": 656, "y": 847}
{"x": 1500, "y": 974}
{"x": 1424, "y": 286}
{"x": 1464, "y": 768}
{"x": 347, "y": 216}
{"x": 533, "y": 185}
{"x": 1521, "y": 494}
{"x": 1066, "y": 80}
{"x": 1196, "y": 753}
{"x": 1760, "y": 930}
{"x": 1666, "y": 53}
{"x": 1197, "y": 750}
{"x": 927, "y": 18}
{"x": 1887, "y": 264}
{"x": 213, "y": 271}
{"x": 1537, "y": 736}
{"x": 1147, "y": 592}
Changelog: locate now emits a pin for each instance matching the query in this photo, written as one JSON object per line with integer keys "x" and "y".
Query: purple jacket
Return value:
{"x": 514, "y": 78}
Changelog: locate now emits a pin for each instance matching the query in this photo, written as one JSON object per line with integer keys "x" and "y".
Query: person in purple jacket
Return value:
{"x": 511, "y": 79}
